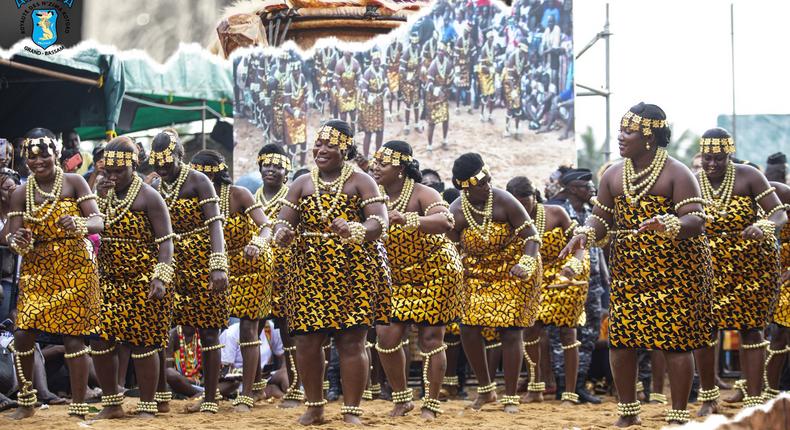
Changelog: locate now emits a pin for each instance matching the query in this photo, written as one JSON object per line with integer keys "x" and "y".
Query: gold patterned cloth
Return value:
{"x": 196, "y": 304}
{"x": 347, "y": 101}
{"x": 281, "y": 261}
{"x": 277, "y": 106}
{"x": 745, "y": 271}
{"x": 297, "y": 127}
{"x": 485, "y": 72}
{"x": 511, "y": 86}
{"x": 493, "y": 297}
{"x": 560, "y": 306}
{"x": 250, "y": 280}
{"x": 782, "y": 310}
{"x": 427, "y": 277}
{"x": 371, "y": 104}
{"x": 335, "y": 285}
{"x": 409, "y": 87}
{"x": 437, "y": 100}
{"x": 59, "y": 284}
{"x": 462, "y": 74}
{"x": 127, "y": 257}
{"x": 661, "y": 289}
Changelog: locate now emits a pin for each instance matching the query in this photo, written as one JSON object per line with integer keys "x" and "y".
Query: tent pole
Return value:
{"x": 50, "y": 73}
{"x": 203, "y": 124}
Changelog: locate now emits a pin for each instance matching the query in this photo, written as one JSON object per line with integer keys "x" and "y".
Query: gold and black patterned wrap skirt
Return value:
{"x": 782, "y": 310}
{"x": 393, "y": 78}
{"x": 371, "y": 114}
{"x": 196, "y": 304}
{"x": 335, "y": 285}
{"x": 486, "y": 79}
{"x": 297, "y": 127}
{"x": 281, "y": 265}
{"x": 59, "y": 284}
{"x": 410, "y": 86}
{"x": 127, "y": 257}
{"x": 492, "y": 296}
{"x": 512, "y": 89}
{"x": 347, "y": 102}
{"x": 661, "y": 290}
{"x": 427, "y": 277}
{"x": 462, "y": 73}
{"x": 745, "y": 271}
{"x": 560, "y": 306}
{"x": 250, "y": 281}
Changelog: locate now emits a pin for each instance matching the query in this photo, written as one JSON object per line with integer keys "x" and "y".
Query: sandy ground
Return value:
{"x": 547, "y": 415}
{"x": 533, "y": 155}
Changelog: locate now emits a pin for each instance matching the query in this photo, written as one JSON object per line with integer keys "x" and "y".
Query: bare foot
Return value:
{"x": 144, "y": 416}
{"x": 707, "y": 408}
{"x": 241, "y": 409}
{"x": 401, "y": 409}
{"x": 288, "y": 404}
{"x": 312, "y": 416}
{"x": 427, "y": 415}
{"x": 352, "y": 419}
{"x": 163, "y": 407}
{"x": 110, "y": 412}
{"x": 641, "y": 396}
{"x": 21, "y": 413}
{"x": 568, "y": 403}
{"x": 736, "y": 397}
{"x": 258, "y": 395}
{"x": 628, "y": 421}
{"x": 511, "y": 409}
{"x": 532, "y": 397}
{"x": 195, "y": 407}
{"x": 482, "y": 399}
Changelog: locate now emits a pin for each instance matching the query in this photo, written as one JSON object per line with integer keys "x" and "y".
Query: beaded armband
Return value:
{"x": 86, "y": 197}
{"x": 671, "y": 226}
{"x": 703, "y": 215}
{"x": 209, "y": 200}
{"x": 689, "y": 201}
{"x": 164, "y": 272}
{"x": 441, "y": 203}
{"x": 534, "y": 238}
{"x": 768, "y": 228}
{"x": 150, "y": 353}
{"x": 284, "y": 222}
{"x": 287, "y": 203}
{"x": 219, "y": 218}
{"x": 523, "y": 226}
{"x": 601, "y": 206}
{"x": 252, "y": 208}
{"x": 412, "y": 221}
{"x": 370, "y": 201}
{"x": 218, "y": 261}
{"x": 165, "y": 238}
{"x": 777, "y": 208}
{"x": 764, "y": 193}
{"x": 529, "y": 263}
{"x": 576, "y": 265}
{"x": 601, "y": 220}
{"x": 357, "y": 233}
{"x": 569, "y": 231}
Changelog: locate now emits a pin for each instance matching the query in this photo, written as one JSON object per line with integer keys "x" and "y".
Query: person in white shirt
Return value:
{"x": 551, "y": 47}
{"x": 272, "y": 364}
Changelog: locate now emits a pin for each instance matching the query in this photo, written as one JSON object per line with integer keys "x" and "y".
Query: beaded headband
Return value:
{"x": 634, "y": 122}
{"x": 120, "y": 158}
{"x": 390, "y": 156}
{"x": 209, "y": 168}
{"x": 715, "y": 145}
{"x": 335, "y": 137}
{"x": 472, "y": 181}
{"x": 38, "y": 145}
{"x": 160, "y": 158}
{"x": 275, "y": 159}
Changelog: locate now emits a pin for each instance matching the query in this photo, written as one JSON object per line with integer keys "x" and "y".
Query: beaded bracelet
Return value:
{"x": 259, "y": 242}
{"x": 709, "y": 395}
{"x": 569, "y": 231}
{"x": 412, "y": 221}
{"x": 78, "y": 409}
{"x": 80, "y": 225}
{"x": 536, "y": 387}
{"x": 218, "y": 261}
{"x": 163, "y": 396}
{"x": 165, "y": 238}
{"x": 671, "y": 226}
{"x": 689, "y": 201}
{"x": 357, "y": 235}
{"x": 486, "y": 388}
{"x": 569, "y": 397}
{"x": 510, "y": 400}
{"x": 777, "y": 208}
{"x": 244, "y": 400}
{"x": 575, "y": 264}
{"x": 21, "y": 251}
{"x": 284, "y": 222}
{"x": 629, "y": 409}
{"x": 351, "y": 410}
{"x": 768, "y": 228}
{"x": 404, "y": 396}
{"x": 147, "y": 408}
{"x": 661, "y": 398}
{"x": 529, "y": 263}
{"x": 678, "y": 415}
{"x": 451, "y": 381}
{"x": 768, "y": 191}
{"x": 588, "y": 232}
{"x": 164, "y": 272}
{"x": 212, "y": 407}
{"x": 317, "y": 404}
{"x": 433, "y": 405}
{"x": 112, "y": 400}
{"x": 382, "y": 222}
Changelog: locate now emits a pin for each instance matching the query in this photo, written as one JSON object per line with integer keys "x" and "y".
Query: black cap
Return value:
{"x": 777, "y": 158}
{"x": 575, "y": 175}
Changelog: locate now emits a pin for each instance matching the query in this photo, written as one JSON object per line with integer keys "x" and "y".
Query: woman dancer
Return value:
{"x": 564, "y": 280}
{"x": 246, "y": 235}
{"x": 274, "y": 166}
{"x": 135, "y": 269}
{"x": 201, "y": 279}
{"x": 426, "y": 275}
{"x": 500, "y": 247}
{"x": 745, "y": 261}
{"x": 780, "y": 343}
{"x": 650, "y": 207}
{"x": 58, "y": 286}
{"x": 339, "y": 287}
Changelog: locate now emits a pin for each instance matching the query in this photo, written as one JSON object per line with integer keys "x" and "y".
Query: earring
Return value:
{"x": 647, "y": 145}
{"x": 400, "y": 175}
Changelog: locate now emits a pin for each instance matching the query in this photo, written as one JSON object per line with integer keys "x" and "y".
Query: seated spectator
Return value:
{"x": 184, "y": 372}
{"x": 272, "y": 363}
